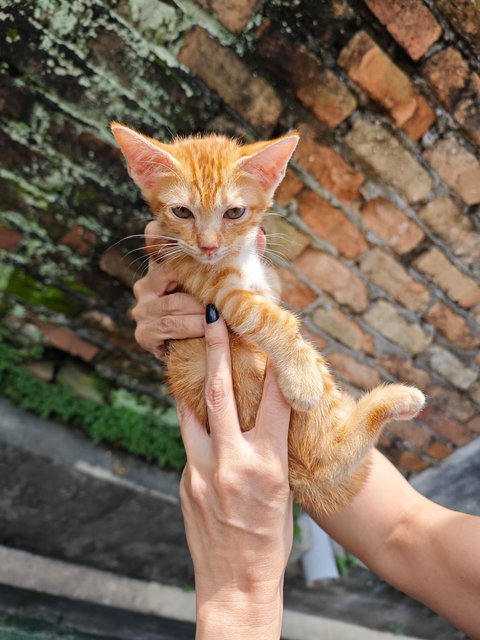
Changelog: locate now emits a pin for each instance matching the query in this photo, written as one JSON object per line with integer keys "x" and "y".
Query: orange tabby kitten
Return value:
{"x": 210, "y": 194}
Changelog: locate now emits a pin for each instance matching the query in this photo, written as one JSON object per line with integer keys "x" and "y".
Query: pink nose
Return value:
{"x": 209, "y": 251}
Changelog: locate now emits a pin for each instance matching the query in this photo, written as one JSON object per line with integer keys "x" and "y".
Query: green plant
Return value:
{"x": 346, "y": 562}
{"x": 119, "y": 426}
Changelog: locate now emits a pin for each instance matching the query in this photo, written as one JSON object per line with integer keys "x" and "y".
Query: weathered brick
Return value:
{"x": 404, "y": 370}
{"x": 283, "y": 238}
{"x": 439, "y": 450}
{"x": 411, "y": 462}
{"x": 391, "y": 276}
{"x": 410, "y": 22}
{"x": 67, "y": 340}
{"x": 295, "y": 293}
{"x": 331, "y": 224}
{"x": 451, "y": 368}
{"x": 450, "y": 429}
{"x": 9, "y": 239}
{"x": 332, "y": 276}
{"x": 373, "y": 70}
{"x": 458, "y": 286}
{"x": 330, "y": 170}
{"x": 383, "y": 317}
{"x": 289, "y": 188}
{"x": 391, "y": 225}
{"x": 389, "y": 160}
{"x": 343, "y": 329}
{"x": 43, "y": 370}
{"x": 474, "y": 425}
{"x": 361, "y": 375}
{"x": 116, "y": 264}
{"x": 409, "y": 433}
{"x": 474, "y": 392}
{"x": 458, "y": 167}
{"x": 453, "y": 227}
{"x": 317, "y": 88}
{"x": 234, "y": 14}
{"x": 452, "y": 402}
{"x": 464, "y": 15}
{"x": 454, "y": 327}
{"x": 457, "y": 87}
{"x": 80, "y": 239}
{"x": 224, "y": 72}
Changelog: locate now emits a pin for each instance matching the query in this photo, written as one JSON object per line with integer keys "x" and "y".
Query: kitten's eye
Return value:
{"x": 236, "y": 212}
{"x": 182, "y": 212}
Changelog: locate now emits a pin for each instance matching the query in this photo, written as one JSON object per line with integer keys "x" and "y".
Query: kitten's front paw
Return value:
{"x": 302, "y": 385}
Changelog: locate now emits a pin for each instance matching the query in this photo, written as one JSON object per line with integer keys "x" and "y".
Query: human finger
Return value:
{"x": 273, "y": 415}
{"x": 221, "y": 407}
{"x": 195, "y": 439}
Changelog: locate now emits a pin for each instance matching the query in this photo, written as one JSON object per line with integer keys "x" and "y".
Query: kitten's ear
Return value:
{"x": 269, "y": 163}
{"x": 145, "y": 158}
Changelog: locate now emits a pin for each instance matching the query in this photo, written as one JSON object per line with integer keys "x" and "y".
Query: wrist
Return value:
{"x": 240, "y": 614}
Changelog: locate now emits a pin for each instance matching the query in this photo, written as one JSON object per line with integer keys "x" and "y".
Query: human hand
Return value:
{"x": 161, "y": 312}
{"x": 237, "y": 504}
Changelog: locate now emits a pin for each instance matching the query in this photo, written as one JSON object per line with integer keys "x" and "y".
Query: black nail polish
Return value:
{"x": 211, "y": 314}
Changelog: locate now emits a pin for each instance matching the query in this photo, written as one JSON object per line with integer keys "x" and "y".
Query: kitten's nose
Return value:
{"x": 209, "y": 251}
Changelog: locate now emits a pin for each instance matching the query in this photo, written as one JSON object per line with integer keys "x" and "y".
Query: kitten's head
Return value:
{"x": 208, "y": 192}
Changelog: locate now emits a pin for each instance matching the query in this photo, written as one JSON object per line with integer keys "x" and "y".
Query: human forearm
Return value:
{"x": 422, "y": 549}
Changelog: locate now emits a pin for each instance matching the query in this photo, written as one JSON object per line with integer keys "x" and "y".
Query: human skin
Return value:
{"x": 421, "y": 548}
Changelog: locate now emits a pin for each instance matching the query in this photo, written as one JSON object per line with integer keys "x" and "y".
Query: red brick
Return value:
{"x": 343, "y": 329}
{"x": 116, "y": 264}
{"x": 224, "y": 72}
{"x": 387, "y": 84}
{"x": 464, "y": 16}
{"x": 354, "y": 371}
{"x": 439, "y": 450}
{"x": 330, "y": 170}
{"x": 295, "y": 293}
{"x": 317, "y": 88}
{"x": 9, "y": 239}
{"x": 411, "y": 462}
{"x": 389, "y": 160}
{"x": 391, "y": 276}
{"x": 391, "y": 225}
{"x": 452, "y": 326}
{"x": 474, "y": 424}
{"x": 289, "y": 188}
{"x": 458, "y": 167}
{"x": 409, "y": 433}
{"x": 458, "y": 286}
{"x": 67, "y": 340}
{"x": 234, "y": 14}
{"x": 80, "y": 239}
{"x": 404, "y": 370}
{"x": 448, "y": 222}
{"x": 446, "y": 427}
{"x": 452, "y": 402}
{"x": 457, "y": 87}
{"x": 332, "y": 276}
{"x": 331, "y": 224}
{"x": 410, "y": 22}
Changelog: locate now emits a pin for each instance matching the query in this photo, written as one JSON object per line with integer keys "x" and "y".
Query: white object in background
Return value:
{"x": 318, "y": 561}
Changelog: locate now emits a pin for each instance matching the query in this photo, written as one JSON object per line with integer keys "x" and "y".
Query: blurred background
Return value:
{"x": 377, "y": 244}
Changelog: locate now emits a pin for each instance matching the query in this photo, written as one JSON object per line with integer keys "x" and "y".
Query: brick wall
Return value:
{"x": 380, "y": 208}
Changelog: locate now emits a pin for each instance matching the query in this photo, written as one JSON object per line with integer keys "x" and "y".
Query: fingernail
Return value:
{"x": 211, "y": 314}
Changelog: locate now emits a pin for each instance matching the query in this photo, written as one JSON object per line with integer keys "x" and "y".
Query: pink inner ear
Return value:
{"x": 146, "y": 162}
{"x": 269, "y": 164}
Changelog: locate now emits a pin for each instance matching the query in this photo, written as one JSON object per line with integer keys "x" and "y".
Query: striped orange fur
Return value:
{"x": 209, "y": 195}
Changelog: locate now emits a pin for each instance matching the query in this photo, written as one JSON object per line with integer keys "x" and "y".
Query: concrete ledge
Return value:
{"x": 36, "y": 573}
